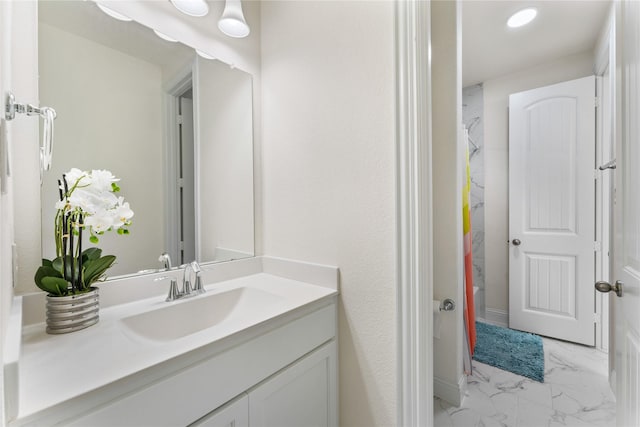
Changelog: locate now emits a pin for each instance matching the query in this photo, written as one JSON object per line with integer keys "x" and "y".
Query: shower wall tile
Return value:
{"x": 472, "y": 117}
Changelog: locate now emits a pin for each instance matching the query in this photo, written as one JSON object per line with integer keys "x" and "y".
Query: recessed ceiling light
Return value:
{"x": 163, "y": 36}
{"x": 191, "y": 7}
{"x": 112, "y": 13}
{"x": 522, "y": 17}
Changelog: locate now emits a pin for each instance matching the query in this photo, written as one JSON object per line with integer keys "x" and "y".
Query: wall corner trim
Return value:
{"x": 414, "y": 213}
{"x": 451, "y": 392}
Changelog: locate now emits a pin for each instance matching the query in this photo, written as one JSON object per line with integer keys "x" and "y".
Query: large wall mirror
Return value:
{"x": 176, "y": 128}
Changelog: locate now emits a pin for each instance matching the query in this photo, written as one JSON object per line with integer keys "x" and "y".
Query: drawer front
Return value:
{"x": 234, "y": 414}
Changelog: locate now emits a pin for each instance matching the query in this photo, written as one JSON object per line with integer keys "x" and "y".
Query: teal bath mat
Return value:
{"x": 513, "y": 351}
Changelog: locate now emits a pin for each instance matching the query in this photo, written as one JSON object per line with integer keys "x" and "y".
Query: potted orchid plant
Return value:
{"x": 88, "y": 203}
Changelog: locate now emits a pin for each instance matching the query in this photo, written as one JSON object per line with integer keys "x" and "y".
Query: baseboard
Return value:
{"x": 450, "y": 392}
{"x": 496, "y": 317}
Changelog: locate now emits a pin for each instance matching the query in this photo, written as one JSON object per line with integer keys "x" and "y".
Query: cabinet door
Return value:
{"x": 233, "y": 414}
{"x": 302, "y": 395}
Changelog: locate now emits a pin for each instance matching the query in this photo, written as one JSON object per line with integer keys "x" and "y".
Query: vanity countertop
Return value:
{"x": 54, "y": 369}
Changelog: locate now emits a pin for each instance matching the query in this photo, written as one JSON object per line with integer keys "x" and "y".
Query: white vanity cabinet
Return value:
{"x": 287, "y": 371}
{"x": 303, "y": 394}
{"x": 233, "y": 414}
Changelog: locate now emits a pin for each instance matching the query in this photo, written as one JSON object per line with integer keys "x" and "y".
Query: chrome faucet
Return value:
{"x": 192, "y": 267}
{"x": 165, "y": 259}
{"x": 187, "y": 290}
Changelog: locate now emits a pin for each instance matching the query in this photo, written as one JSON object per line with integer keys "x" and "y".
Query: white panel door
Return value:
{"x": 626, "y": 258}
{"x": 552, "y": 210}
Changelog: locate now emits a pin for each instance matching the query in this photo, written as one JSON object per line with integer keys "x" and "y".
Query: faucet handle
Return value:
{"x": 186, "y": 287}
{"x": 174, "y": 293}
{"x": 198, "y": 288}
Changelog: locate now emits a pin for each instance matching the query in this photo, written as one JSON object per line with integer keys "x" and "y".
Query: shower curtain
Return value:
{"x": 469, "y": 307}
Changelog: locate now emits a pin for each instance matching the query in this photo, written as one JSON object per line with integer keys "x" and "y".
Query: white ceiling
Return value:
{"x": 490, "y": 49}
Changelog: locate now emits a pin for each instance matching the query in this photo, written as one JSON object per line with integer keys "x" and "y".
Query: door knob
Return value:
{"x": 516, "y": 242}
{"x": 603, "y": 286}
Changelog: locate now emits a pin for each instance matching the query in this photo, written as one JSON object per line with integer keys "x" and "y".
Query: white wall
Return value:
{"x": 496, "y": 102}
{"x": 6, "y": 220}
{"x": 448, "y": 264}
{"x": 109, "y": 116}
{"x": 329, "y": 181}
{"x": 18, "y": 59}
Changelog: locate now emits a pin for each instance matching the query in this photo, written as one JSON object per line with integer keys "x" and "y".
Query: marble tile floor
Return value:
{"x": 576, "y": 393}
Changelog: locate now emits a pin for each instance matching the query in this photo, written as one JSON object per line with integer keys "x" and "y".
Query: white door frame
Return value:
{"x": 414, "y": 213}
{"x": 603, "y": 61}
{"x": 180, "y": 84}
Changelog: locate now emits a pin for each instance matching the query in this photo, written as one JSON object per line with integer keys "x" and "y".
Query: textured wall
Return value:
{"x": 329, "y": 176}
{"x": 472, "y": 117}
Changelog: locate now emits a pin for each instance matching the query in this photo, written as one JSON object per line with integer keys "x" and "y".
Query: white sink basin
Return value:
{"x": 188, "y": 316}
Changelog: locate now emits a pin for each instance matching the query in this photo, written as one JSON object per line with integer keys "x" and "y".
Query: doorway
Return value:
{"x": 180, "y": 166}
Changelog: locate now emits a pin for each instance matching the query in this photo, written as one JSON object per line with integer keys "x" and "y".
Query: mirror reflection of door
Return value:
{"x": 186, "y": 185}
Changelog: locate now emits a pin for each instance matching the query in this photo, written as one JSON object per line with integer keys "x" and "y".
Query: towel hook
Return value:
{"x": 48, "y": 115}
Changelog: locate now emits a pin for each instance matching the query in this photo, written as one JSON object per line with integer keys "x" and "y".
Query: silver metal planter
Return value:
{"x": 73, "y": 312}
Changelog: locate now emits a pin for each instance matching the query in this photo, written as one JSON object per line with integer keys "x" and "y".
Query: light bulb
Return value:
{"x": 191, "y": 7}
{"x": 232, "y": 21}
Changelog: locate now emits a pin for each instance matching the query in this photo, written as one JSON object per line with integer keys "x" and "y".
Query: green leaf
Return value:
{"x": 58, "y": 265}
{"x": 114, "y": 187}
{"x": 91, "y": 254}
{"x": 93, "y": 270}
{"x": 42, "y": 272}
{"x": 54, "y": 285}
{"x": 93, "y": 239}
{"x": 46, "y": 263}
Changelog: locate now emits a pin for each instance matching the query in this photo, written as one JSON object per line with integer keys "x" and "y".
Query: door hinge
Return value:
{"x": 597, "y": 246}
{"x": 179, "y": 119}
{"x": 597, "y": 318}
{"x": 180, "y": 182}
{"x": 596, "y": 102}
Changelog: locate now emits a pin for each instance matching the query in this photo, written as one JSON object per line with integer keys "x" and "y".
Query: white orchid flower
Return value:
{"x": 100, "y": 222}
{"x": 92, "y": 194}
{"x": 102, "y": 180}
{"x": 122, "y": 213}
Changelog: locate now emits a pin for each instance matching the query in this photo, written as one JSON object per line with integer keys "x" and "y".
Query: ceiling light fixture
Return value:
{"x": 191, "y": 7}
{"x": 112, "y": 13}
{"x": 163, "y": 36}
{"x": 232, "y": 21}
{"x": 522, "y": 17}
